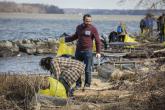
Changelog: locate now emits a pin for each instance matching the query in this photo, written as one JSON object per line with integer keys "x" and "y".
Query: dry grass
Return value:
{"x": 145, "y": 91}
{"x": 17, "y": 91}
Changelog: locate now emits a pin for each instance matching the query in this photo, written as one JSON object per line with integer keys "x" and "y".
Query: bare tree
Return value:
{"x": 150, "y": 4}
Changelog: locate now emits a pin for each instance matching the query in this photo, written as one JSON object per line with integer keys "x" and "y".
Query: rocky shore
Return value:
{"x": 121, "y": 87}
{"x": 30, "y": 46}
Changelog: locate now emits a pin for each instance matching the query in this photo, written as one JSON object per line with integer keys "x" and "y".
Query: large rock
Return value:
{"x": 28, "y": 48}
{"x": 108, "y": 71}
{"x": 42, "y": 47}
{"x": 26, "y": 41}
{"x": 7, "y": 44}
{"x": 52, "y": 43}
{"x": 8, "y": 49}
{"x": 105, "y": 71}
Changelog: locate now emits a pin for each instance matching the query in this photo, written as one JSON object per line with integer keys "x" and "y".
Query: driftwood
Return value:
{"x": 50, "y": 101}
{"x": 151, "y": 45}
{"x": 146, "y": 54}
{"x": 161, "y": 50}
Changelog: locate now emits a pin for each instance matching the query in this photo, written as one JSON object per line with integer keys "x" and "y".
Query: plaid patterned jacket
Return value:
{"x": 67, "y": 68}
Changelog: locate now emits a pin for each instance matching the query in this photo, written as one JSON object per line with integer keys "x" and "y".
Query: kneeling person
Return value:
{"x": 66, "y": 70}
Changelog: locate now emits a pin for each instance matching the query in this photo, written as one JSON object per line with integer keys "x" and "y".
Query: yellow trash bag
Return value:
{"x": 129, "y": 39}
{"x": 56, "y": 89}
{"x": 163, "y": 43}
{"x": 65, "y": 49}
{"x": 164, "y": 27}
{"x": 94, "y": 46}
{"x": 68, "y": 49}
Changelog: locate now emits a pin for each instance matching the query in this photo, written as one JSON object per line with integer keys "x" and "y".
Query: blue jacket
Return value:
{"x": 149, "y": 22}
{"x": 119, "y": 29}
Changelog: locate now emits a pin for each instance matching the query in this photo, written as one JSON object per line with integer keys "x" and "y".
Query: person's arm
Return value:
{"x": 97, "y": 42}
{"x": 56, "y": 68}
{"x": 73, "y": 37}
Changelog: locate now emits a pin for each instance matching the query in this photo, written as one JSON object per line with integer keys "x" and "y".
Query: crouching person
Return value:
{"x": 66, "y": 70}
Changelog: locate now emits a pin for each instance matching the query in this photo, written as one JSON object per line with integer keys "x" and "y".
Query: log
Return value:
{"x": 161, "y": 50}
{"x": 50, "y": 100}
{"x": 146, "y": 54}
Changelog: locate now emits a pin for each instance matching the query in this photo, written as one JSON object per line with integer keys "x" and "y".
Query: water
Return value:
{"x": 21, "y": 26}
{"x": 22, "y": 64}
{"x": 14, "y": 27}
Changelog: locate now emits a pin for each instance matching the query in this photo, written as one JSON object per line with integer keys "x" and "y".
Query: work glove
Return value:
{"x": 98, "y": 55}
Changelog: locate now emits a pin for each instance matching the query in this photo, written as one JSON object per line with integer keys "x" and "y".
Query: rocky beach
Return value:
{"x": 128, "y": 77}
{"x": 121, "y": 87}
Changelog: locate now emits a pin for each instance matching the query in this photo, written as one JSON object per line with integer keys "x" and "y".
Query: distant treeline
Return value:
{"x": 29, "y": 8}
{"x": 40, "y": 8}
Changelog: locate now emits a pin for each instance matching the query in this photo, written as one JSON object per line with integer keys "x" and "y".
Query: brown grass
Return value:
{"x": 16, "y": 91}
{"x": 143, "y": 92}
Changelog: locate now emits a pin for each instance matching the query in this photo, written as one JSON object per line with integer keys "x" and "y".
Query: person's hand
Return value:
{"x": 62, "y": 40}
{"x": 98, "y": 55}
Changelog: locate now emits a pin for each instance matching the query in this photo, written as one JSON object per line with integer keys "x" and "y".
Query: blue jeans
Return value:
{"x": 86, "y": 57}
{"x": 65, "y": 84}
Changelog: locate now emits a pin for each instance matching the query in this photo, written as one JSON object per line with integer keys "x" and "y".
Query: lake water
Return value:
{"x": 20, "y": 26}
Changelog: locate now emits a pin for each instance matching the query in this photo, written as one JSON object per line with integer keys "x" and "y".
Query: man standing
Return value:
{"x": 149, "y": 21}
{"x": 142, "y": 25}
{"x": 85, "y": 34}
{"x": 161, "y": 27}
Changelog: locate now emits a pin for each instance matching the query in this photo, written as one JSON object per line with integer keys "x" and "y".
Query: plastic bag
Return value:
{"x": 94, "y": 46}
{"x": 129, "y": 39}
{"x": 65, "y": 49}
{"x": 56, "y": 89}
{"x": 163, "y": 43}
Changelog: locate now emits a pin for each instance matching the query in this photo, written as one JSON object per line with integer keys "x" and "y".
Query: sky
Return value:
{"x": 85, "y": 4}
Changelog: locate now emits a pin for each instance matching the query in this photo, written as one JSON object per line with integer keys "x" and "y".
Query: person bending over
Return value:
{"x": 66, "y": 70}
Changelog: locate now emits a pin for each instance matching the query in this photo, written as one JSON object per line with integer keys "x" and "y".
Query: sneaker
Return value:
{"x": 78, "y": 86}
{"x": 87, "y": 85}
{"x": 71, "y": 92}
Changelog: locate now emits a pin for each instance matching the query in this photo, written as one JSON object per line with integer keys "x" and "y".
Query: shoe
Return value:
{"x": 71, "y": 92}
{"x": 87, "y": 85}
{"x": 78, "y": 86}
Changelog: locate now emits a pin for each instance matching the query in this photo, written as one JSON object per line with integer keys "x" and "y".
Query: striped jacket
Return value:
{"x": 67, "y": 68}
